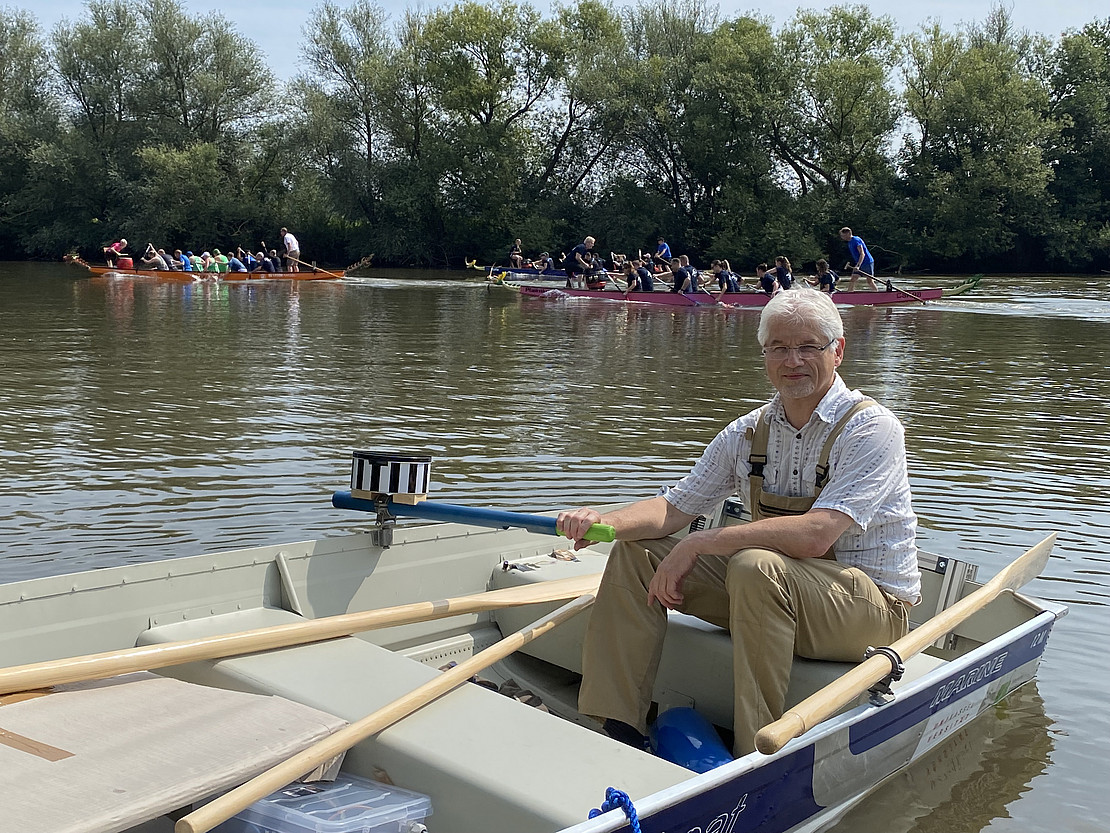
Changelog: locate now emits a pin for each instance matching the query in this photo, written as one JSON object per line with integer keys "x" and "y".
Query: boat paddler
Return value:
{"x": 826, "y": 568}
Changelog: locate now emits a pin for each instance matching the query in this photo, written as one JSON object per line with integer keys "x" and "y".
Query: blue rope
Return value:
{"x": 614, "y": 798}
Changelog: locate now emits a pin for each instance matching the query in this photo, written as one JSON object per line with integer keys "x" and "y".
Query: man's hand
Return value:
{"x": 666, "y": 584}
{"x": 576, "y": 522}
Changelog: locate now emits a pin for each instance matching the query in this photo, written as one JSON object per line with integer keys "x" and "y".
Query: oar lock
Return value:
{"x": 881, "y": 691}
{"x": 381, "y": 476}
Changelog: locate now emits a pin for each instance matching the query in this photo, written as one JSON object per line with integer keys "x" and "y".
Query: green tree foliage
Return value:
{"x": 1080, "y": 96}
{"x": 28, "y": 120}
{"x": 452, "y": 130}
{"x": 835, "y": 101}
{"x": 975, "y": 168}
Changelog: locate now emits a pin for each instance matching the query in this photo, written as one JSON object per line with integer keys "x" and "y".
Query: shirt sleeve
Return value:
{"x": 713, "y": 477}
{"x": 867, "y": 467}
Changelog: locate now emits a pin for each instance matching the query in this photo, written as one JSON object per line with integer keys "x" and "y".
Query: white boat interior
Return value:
{"x": 488, "y": 761}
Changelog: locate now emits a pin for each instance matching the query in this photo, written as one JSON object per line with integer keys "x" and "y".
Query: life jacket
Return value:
{"x": 768, "y": 505}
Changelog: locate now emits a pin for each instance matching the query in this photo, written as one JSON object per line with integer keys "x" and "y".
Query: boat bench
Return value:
{"x": 471, "y": 746}
{"x": 696, "y": 665}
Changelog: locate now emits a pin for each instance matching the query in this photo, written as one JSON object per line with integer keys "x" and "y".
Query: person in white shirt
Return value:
{"x": 826, "y": 568}
{"x": 292, "y": 251}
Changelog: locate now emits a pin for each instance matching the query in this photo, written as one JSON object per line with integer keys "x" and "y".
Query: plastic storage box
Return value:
{"x": 347, "y": 805}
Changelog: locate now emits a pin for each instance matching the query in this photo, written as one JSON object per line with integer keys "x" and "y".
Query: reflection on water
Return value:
{"x": 142, "y": 421}
{"x": 969, "y": 780}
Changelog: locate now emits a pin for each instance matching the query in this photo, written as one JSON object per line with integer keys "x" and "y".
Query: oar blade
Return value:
{"x": 829, "y": 700}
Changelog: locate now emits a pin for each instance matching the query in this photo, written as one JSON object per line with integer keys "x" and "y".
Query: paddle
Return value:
{"x": 227, "y": 805}
{"x": 147, "y": 657}
{"x": 826, "y": 702}
{"x": 316, "y": 268}
{"x": 452, "y": 513}
{"x": 891, "y": 285}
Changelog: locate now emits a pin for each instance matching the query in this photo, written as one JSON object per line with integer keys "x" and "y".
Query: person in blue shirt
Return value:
{"x": 186, "y": 264}
{"x": 663, "y": 251}
{"x": 235, "y": 265}
{"x": 726, "y": 280}
{"x": 826, "y": 278}
{"x": 782, "y": 272}
{"x": 767, "y": 280}
{"x": 860, "y": 259}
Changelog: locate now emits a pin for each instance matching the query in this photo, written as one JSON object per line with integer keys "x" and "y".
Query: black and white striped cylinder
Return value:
{"x": 404, "y": 477}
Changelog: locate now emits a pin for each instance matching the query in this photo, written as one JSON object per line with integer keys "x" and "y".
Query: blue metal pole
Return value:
{"x": 452, "y": 513}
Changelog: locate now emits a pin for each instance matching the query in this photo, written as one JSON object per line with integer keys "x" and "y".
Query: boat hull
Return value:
{"x": 730, "y": 300}
{"x": 547, "y": 782}
{"x": 192, "y": 277}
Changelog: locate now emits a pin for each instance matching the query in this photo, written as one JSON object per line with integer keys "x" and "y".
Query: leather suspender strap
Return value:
{"x": 757, "y": 457}
{"x": 823, "y": 460}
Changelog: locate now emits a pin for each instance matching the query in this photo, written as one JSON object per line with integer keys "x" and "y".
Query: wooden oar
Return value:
{"x": 315, "y": 268}
{"x": 146, "y": 657}
{"x": 826, "y": 702}
{"x": 892, "y": 286}
{"x": 227, "y": 805}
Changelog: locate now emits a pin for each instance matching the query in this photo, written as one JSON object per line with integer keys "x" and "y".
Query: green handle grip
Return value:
{"x": 602, "y": 533}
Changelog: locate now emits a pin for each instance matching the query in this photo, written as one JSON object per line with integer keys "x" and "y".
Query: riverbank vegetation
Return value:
{"x": 447, "y": 133}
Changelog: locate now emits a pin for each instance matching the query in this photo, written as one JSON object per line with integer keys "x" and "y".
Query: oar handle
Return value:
{"x": 452, "y": 513}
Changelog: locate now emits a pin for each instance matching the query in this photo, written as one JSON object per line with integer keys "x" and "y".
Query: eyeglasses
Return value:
{"x": 806, "y": 352}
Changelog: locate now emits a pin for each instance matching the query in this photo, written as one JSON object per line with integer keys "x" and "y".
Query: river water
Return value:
{"x": 144, "y": 421}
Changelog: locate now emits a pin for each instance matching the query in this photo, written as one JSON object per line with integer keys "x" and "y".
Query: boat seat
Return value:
{"x": 696, "y": 665}
{"x": 470, "y": 746}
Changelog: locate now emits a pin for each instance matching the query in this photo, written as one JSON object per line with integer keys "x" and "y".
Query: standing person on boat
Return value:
{"x": 516, "y": 256}
{"x": 114, "y": 252}
{"x": 292, "y": 251}
{"x": 826, "y": 568}
{"x": 861, "y": 260}
{"x": 663, "y": 251}
{"x": 579, "y": 263}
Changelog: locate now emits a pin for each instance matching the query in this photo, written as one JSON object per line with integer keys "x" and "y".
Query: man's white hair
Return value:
{"x": 802, "y": 307}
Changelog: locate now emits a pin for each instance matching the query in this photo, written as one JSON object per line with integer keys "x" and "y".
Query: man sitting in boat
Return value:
{"x": 685, "y": 276}
{"x": 544, "y": 262}
{"x": 152, "y": 260}
{"x": 767, "y": 280}
{"x": 826, "y": 568}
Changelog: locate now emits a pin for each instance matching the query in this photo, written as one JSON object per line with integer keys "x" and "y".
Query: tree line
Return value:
{"x": 445, "y": 134}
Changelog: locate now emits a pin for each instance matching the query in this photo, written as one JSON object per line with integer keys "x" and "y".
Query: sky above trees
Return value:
{"x": 276, "y": 26}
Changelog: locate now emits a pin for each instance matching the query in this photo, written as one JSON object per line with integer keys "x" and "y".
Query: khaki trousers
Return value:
{"x": 774, "y": 607}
